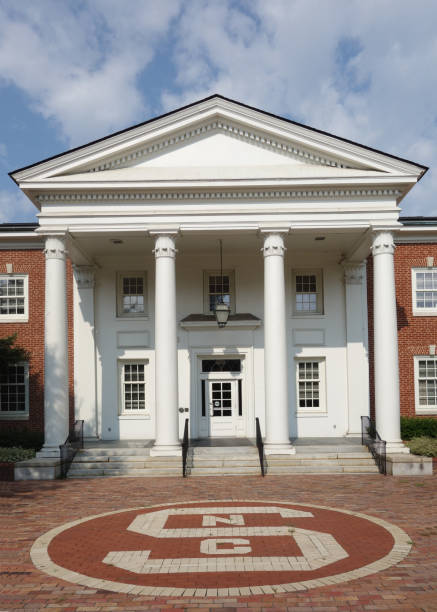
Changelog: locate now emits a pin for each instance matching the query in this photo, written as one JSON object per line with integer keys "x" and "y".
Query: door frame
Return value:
{"x": 246, "y": 376}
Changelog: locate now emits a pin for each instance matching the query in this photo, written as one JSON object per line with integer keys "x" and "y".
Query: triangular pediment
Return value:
{"x": 215, "y": 138}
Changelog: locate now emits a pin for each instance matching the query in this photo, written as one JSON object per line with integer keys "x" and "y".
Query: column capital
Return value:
{"x": 382, "y": 243}
{"x": 353, "y": 273}
{"x": 85, "y": 276}
{"x": 165, "y": 246}
{"x": 55, "y": 247}
{"x": 273, "y": 244}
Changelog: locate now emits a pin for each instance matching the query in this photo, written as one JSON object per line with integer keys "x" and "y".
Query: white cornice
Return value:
{"x": 217, "y": 196}
{"x": 216, "y": 109}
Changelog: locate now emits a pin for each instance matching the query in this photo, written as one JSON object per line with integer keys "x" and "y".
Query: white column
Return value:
{"x": 275, "y": 348}
{"x": 84, "y": 349}
{"x": 356, "y": 345}
{"x": 387, "y": 407}
{"x": 166, "y": 366}
{"x": 56, "y": 404}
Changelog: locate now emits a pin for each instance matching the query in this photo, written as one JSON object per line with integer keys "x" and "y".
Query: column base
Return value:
{"x": 395, "y": 447}
{"x": 279, "y": 449}
{"x": 48, "y": 452}
{"x": 164, "y": 450}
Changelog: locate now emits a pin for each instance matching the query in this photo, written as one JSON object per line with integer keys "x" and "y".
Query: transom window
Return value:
{"x": 308, "y": 298}
{"x": 425, "y": 290}
{"x": 426, "y": 384}
{"x": 14, "y": 391}
{"x": 131, "y": 298}
{"x": 218, "y": 286}
{"x": 310, "y": 385}
{"x": 13, "y": 297}
{"x": 133, "y": 378}
{"x": 221, "y": 365}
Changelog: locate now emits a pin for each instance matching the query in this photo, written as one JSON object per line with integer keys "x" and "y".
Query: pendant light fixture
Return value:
{"x": 221, "y": 310}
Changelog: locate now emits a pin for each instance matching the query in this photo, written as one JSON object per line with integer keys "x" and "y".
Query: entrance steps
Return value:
{"x": 131, "y": 460}
{"x": 226, "y": 457}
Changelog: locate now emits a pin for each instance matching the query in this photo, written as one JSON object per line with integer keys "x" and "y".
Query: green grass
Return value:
{"x": 423, "y": 445}
{"x": 12, "y": 454}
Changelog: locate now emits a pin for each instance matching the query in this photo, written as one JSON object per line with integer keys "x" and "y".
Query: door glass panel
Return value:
{"x": 221, "y": 399}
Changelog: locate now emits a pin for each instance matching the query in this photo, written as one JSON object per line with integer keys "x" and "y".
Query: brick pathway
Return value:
{"x": 29, "y": 510}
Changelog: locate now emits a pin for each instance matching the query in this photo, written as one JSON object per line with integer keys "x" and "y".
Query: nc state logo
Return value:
{"x": 223, "y": 543}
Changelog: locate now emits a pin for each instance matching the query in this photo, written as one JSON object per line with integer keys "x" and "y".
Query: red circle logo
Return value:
{"x": 237, "y": 547}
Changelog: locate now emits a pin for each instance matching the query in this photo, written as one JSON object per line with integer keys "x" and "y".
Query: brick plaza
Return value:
{"x": 31, "y": 509}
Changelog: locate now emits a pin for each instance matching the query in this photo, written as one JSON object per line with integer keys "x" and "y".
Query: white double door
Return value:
{"x": 222, "y": 404}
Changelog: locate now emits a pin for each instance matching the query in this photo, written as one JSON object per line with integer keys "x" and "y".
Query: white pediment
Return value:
{"x": 215, "y": 139}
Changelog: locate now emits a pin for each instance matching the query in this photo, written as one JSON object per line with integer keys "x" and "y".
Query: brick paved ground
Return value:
{"x": 31, "y": 509}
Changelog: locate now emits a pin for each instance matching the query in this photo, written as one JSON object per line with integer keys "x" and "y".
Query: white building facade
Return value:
{"x": 141, "y": 215}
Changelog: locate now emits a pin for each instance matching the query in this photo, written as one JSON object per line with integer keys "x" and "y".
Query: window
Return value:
{"x": 217, "y": 286}
{"x": 310, "y": 375}
{"x": 13, "y": 297}
{"x": 133, "y": 388}
{"x": 14, "y": 392}
{"x": 425, "y": 382}
{"x": 424, "y": 291}
{"x": 131, "y": 294}
{"x": 307, "y": 292}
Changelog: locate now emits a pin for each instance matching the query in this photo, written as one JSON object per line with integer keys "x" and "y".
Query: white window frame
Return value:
{"x": 126, "y": 414}
{"x": 15, "y": 318}
{"x": 22, "y": 414}
{"x": 322, "y": 408}
{"x": 206, "y": 275}
{"x": 131, "y": 315}
{"x": 418, "y": 408}
{"x": 419, "y": 311}
{"x": 318, "y": 273}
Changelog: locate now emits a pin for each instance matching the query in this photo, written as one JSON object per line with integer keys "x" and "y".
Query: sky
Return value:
{"x": 72, "y": 71}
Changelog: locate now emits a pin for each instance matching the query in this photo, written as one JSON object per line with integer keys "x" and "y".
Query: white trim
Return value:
{"x": 323, "y": 408}
{"x": 318, "y": 273}
{"x": 420, "y": 409}
{"x": 206, "y": 275}
{"x": 119, "y": 301}
{"x": 21, "y": 415}
{"x": 18, "y": 318}
{"x": 418, "y": 311}
{"x": 133, "y": 414}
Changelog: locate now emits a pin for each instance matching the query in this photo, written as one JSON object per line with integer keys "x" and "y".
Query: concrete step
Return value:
{"x": 321, "y": 469}
{"x": 110, "y": 452}
{"x": 224, "y": 470}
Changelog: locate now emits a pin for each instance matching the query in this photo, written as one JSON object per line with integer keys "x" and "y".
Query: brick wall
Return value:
{"x": 30, "y": 335}
{"x": 415, "y": 334}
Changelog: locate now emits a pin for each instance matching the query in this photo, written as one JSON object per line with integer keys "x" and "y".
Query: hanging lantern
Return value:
{"x": 221, "y": 310}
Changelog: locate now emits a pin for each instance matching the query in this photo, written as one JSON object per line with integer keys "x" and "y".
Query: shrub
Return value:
{"x": 22, "y": 439}
{"x": 423, "y": 446}
{"x": 417, "y": 427}
{"x": 13, "y": 454}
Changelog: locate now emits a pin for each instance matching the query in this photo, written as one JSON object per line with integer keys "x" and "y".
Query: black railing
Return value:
{"x": 371, "y": 438}
{"x": 185, "y": 449}
{"x": 260, "y": 446}
{"x": 72, "y": 444}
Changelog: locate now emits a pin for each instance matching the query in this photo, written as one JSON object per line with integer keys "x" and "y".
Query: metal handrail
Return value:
{"x": 185, "y": 448}
{"x": 371, "y": 438}
{"x": 70, "y": 447}
{"x": 260, "y": 446}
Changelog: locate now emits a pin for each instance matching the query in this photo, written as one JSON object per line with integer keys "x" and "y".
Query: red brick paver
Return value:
{"x": 31, "y": 509}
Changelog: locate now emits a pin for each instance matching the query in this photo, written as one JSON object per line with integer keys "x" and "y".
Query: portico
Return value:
{"x": 140, "y": 215}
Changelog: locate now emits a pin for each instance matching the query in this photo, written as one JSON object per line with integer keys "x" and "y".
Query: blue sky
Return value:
{"x": 73, "y": 71}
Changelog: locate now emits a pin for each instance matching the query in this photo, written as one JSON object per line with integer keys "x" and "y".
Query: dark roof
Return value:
{"x": 418, "y": 220}
{"x": 18, "y": 227}
{"x": 132, "y": 127}
{"x": 241, "y": 316}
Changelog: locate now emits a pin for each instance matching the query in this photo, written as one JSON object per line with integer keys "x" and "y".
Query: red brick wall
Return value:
{"x": 30, "y": 335}
{"x": 415, "y": 334}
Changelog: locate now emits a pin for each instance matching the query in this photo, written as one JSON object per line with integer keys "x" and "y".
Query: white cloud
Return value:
{"x": 79, "y": 62}
{"x": 285, "y": 56}
{"x": 15, "y": 207}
